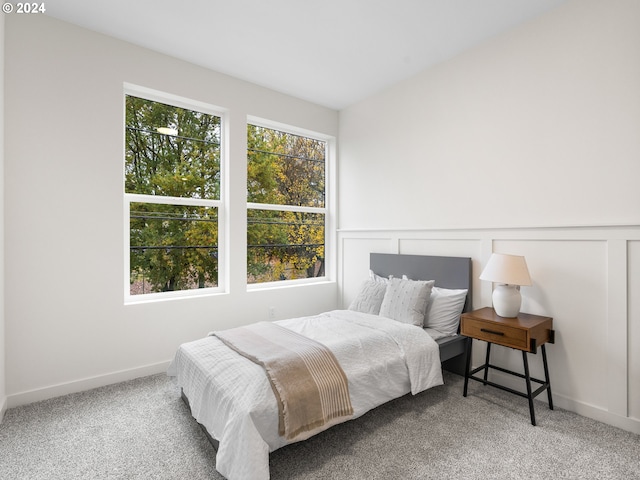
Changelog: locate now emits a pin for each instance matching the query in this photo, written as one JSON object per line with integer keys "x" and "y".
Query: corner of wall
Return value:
{"x": 3, "y": 396}
{"x": 3, "y": 407}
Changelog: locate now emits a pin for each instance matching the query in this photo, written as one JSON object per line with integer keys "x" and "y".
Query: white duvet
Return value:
{"x": 231, "y": 396}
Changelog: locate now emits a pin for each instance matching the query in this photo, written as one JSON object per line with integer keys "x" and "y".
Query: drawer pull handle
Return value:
{"x": 492, "y": 332}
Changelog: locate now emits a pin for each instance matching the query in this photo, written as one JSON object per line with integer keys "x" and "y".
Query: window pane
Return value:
{"x": 171, "y": 151}
{"x": 172, "y": 247}
{"x": 285, "y": 169}
{"x": 284, "y": 245}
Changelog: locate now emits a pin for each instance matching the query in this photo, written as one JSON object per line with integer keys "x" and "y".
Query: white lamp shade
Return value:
{"x": 506, "y": 269}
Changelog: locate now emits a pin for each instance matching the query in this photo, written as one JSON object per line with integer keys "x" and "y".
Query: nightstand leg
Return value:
{"x": 528, "y": 380}
{"x": 486, "y": 363}
{"x": 546, "y": 376}
{"x": 467, "y": 366}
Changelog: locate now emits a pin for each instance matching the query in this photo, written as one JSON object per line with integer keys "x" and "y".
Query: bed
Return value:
{"x": 449, "y": 273}
{"x": 382, "y": 358}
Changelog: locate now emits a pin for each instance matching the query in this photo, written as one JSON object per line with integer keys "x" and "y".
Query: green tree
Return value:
{"x": 173, "y": 247}
{"x": 285, "y": 169}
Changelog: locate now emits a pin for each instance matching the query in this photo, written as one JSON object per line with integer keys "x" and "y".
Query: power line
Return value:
{"x": 182, "y": 137}
{"x": 287, "y": 155}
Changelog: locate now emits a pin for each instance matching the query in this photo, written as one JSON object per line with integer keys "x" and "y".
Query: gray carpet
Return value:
{"x": 142, "y": 430}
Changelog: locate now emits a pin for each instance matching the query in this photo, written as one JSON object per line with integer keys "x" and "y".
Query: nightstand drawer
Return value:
{"x": 495, "y": 333}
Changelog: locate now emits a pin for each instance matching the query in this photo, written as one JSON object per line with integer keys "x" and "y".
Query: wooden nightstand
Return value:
{"x": 525, "y": 332}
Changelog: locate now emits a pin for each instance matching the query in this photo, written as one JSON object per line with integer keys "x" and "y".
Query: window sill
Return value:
{"x": 171, "y": 296}
{"x": 308, "y": 282}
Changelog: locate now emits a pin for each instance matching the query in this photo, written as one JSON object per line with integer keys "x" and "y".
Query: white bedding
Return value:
{"x": 231, "y": 396}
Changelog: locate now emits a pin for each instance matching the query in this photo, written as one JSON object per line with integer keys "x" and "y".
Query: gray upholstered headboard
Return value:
{"x": 448, "y": 272}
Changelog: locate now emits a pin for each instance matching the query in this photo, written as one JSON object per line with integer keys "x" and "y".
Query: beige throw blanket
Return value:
{"x": 310, "y": 386}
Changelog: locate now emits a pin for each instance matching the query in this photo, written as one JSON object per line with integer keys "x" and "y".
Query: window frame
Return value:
{"x": 219, "y": 204}
{"x": 327, "y": 210}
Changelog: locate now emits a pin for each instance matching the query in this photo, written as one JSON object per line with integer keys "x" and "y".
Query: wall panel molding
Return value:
{"x": 582, "y": 277}
{"x": 633, "y": 328}
{"x": 617, "y": 335}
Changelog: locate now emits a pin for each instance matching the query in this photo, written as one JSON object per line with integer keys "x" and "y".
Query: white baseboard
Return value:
{"x": 81, "y": 385}
{"x": 562, "y": 401}
{"x": 625, "y": 423}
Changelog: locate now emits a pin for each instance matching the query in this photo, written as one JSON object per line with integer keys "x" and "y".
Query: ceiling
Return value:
{"x": 330, "y": 52}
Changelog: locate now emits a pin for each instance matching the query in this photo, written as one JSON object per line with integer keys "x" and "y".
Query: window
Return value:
{"x": 172, "y": 195}
{"x": 286, "y": 201}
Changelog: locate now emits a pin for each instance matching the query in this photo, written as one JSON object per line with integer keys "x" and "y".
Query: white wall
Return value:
{"x": 586, "y": 278}
{"x": 67, "y": 327}
{"x": 538, "y": 127}
{"x": 527, "y": 144}
{"x": 3, "y": 396}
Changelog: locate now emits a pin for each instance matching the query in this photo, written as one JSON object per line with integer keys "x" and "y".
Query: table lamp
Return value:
{"x": 509, "y": 272}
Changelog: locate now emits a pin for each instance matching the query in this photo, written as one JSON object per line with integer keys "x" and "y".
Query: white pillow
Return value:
{"x": 377, "y": 278}
{"x": 369, "y": 297}
{"x": 444, "y": 309}
{"x": 406, "y": 300}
